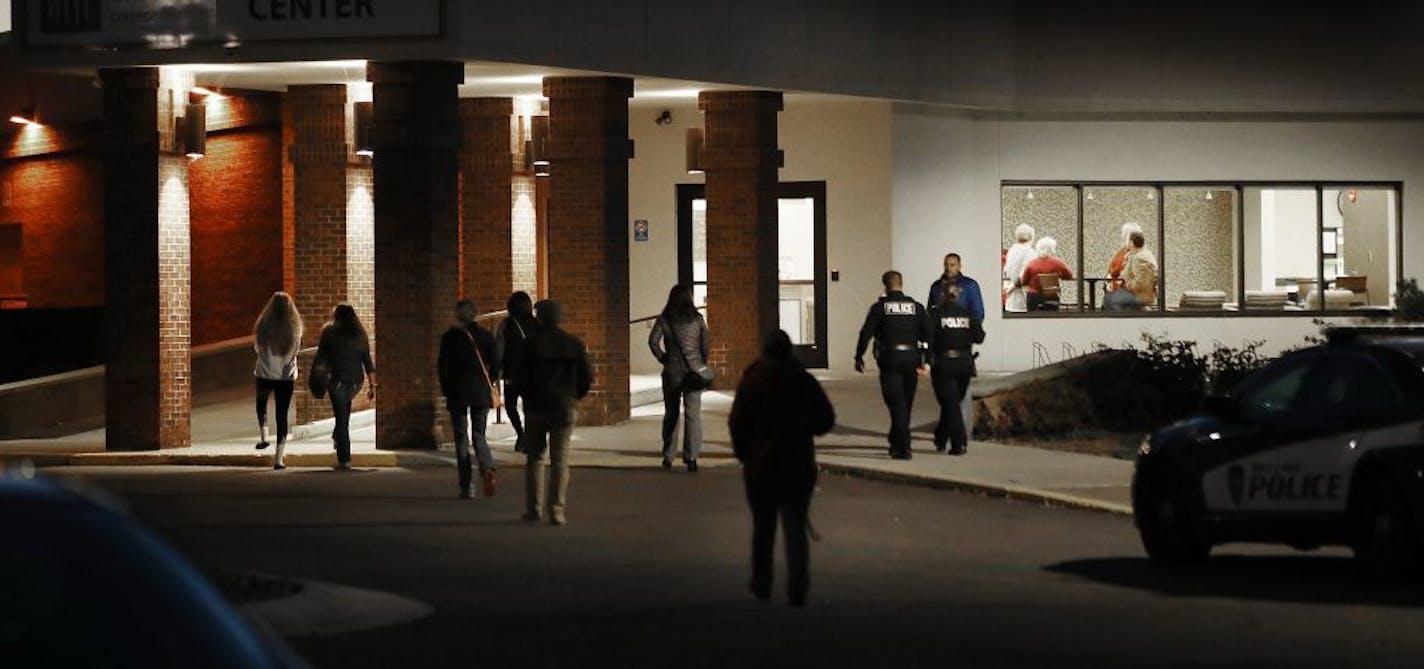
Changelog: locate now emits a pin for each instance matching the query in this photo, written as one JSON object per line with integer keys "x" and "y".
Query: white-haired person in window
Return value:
{"x": 1019, "y": 255}
{"x": 1119, "y": 259}
{"x": 1047, "y": 263}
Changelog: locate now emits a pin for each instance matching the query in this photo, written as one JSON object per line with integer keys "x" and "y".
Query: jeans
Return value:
{"x": 549, "y": 430}
{"x": 283, "y": 390}
{"x": 691, "y": 401}
{"x": 768, "y": 499}
{"x": 470, "y": 422}
{"x": 897, "y": 387}
{"x": 341, "y": 394}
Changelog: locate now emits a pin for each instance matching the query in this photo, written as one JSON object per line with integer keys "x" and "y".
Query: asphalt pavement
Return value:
{"x": 652, "y": 572}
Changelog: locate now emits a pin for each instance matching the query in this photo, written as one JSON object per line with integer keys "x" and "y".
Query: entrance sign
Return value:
{"x": 180, "y": 23}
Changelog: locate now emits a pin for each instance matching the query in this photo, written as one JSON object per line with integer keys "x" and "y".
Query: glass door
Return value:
{"x": 801, "y": 260}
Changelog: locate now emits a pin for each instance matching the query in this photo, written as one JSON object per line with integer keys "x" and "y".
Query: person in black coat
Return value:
{"x": 897, "y": 324}
{"x": 554, "y": 373}
{"x": 953, "y": 330}
{"x": 469, "y": 365}
{"x": 345, "y": 352}
{"x": 516, "y": 328}
{"x": 778, "y": 409}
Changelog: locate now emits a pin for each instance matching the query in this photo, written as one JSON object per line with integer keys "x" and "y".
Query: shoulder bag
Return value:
{"x": 496, "y": 401}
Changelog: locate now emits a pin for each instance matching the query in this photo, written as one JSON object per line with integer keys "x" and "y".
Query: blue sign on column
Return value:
{"x": 640, "y": 230}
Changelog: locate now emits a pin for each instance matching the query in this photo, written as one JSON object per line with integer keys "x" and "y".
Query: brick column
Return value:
{"x": 588, "y": 228}
{"x": 147, "y": 385}
{"x": 318, "y": 163}
{"x": 486, "y": 206}
{"x": 416, "y": 137}
{"x": 741, "y": 161}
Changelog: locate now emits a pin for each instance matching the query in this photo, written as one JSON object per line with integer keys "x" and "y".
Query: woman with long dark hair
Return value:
{"x": 277, "y": 335}
{"x": 345, "y": 349}
{"x": 519, "y": 326}
{"x": 679, "y": 341}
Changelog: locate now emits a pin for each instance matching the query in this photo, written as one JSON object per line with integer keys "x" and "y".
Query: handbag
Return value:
{"x": 319, "y": 379}
{"x": 693, "y": 380}
{"x": 496, "y": 401}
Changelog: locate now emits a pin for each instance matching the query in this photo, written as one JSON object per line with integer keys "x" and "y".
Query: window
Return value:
{"x": 1351, "y": 389}
{"x": 1209, "y": 248}
{"x": 1274, "y": 391}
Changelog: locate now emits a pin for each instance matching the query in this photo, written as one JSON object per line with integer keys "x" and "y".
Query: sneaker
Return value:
{"x": 531, "y": 516}
{"x": 558, "y": 518}
{"x": 263, "y": 444}
{"x": 466, "y": 493}
{"x": 667, "y": 463}
{"x": 959, "y": 450}
{"x": 692, "y": 466}
{"x": 939, "y": 448}
{"x": 342, "y": 467}
{"x": 487, "y": 482}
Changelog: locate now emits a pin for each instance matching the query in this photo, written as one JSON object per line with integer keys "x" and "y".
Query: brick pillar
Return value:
{"x": 588, "y": 228}
{"x": 486, "y": 206}
{"x": 147, "y": 385}
{"x": 318, "y": 163}
{"x": 741, "y": 161}
{"x": 416, "y": 137}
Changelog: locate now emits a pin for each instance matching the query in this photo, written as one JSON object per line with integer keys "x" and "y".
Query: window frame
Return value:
{"x": 1160, "y": 310}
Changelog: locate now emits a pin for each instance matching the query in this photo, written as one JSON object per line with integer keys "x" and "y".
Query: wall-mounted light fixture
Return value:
{"x": 694, "y": 150}
{"x": 193, "y": 130}
{"x": 25, "y": 117}
{"x": 664, "y": 117}
{"x": 539, "y": 145}
{"x": 362, "y": 113}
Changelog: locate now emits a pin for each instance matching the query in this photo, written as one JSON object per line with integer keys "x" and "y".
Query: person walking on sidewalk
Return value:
{"x": 277, "y": 335}
{"x": 468, "y": 366}
{"x": 679, "y": 341}
{"x": 516, "y": 328}
{"x": 778, "y": 409}
{"x": 554, "y": 373}
{"x": 970, "y": 298}
{"x": 953, "y": 332}
{"x": 897, "y": 324}
{"x": 345, "y": 352}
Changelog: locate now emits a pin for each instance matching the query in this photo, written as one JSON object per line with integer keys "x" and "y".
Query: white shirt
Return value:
{"x": 276, "y": 366}
{"x": 1019, "y": 256}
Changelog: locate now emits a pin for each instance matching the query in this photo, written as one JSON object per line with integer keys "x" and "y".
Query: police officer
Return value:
{"x": 953, "y": 331}
{"x": 898, "y": 324}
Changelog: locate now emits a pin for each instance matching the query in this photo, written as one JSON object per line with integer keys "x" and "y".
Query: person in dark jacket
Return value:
{"x": 953, "y": 332}
{"x": 345, "y": 349}
{"x": 897, "y": 324}
{"x": 469, "y": 365}
{"x": 517, "y": 327}
{"x": 554, "y": 373}
{"x": 778, "y": 409}
{"x": 679, "y": 341}
{"x": 970, "y": 298}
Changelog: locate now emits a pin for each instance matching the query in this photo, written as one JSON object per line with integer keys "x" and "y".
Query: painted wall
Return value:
{"x": 948, "y": 167}
{"x": 63, "y": 235}
{"x": 845, "y": 143}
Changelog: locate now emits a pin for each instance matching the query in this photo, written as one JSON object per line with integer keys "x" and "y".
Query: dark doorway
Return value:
{"x": 802, "y": 262}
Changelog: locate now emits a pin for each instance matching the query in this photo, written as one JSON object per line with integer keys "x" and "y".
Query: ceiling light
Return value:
{"x": 1208, "y": 195}
{"x": 1029, "y": 196}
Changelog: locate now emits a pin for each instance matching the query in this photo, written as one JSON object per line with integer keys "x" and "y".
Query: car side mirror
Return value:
{"x": 1222, "y": 405}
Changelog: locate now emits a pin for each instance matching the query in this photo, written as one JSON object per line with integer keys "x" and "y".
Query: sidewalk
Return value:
{"x": 224, "y": 434}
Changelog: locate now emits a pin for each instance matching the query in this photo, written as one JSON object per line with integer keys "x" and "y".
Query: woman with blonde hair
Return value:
{"x": 277, "y": 335}
{"x": 1018, "y": 256}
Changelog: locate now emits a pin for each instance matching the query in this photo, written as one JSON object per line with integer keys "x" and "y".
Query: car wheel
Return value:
{"x": 1383, "y": 537}
{"x": 1166, "y": 520}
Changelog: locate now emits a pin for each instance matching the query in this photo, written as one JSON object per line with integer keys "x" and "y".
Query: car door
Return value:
{"x": 1348, "y": 406}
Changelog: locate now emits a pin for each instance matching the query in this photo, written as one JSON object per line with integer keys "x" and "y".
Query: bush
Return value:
{"x": 1409, "y": 301}
{"x": 1167, "y": 380}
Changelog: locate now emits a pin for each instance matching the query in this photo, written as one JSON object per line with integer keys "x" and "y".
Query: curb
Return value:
{"x": 150, "y": 458}
{"x": 1020, "y": 493}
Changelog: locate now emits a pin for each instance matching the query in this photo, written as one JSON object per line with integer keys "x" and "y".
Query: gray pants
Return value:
{"x": 691, "y": 403}
{"x": 551, "y": 431}
{"x": 470, "y": 422}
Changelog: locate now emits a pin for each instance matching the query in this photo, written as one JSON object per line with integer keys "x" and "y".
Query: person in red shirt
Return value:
{"x": 1119, "y": 259}
{"x": 1047, "y": 262}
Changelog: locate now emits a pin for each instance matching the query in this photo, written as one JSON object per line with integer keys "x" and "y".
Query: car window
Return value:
{"x": 1273, "y": 391}
{"x": 1352, "y": 387}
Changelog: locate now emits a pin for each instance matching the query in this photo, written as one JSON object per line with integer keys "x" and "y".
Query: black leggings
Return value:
{"x": 283, "y": 389}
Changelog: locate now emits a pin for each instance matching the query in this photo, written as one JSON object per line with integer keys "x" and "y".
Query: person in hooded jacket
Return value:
{"x": 554, "y": 373}
{"x": 778, "y": 409}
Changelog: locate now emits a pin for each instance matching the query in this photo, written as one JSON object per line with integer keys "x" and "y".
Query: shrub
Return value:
{"x": 1409, "y": 301}
{"x": 1167, "y": 380}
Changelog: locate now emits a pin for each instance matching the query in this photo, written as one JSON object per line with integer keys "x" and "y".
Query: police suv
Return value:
{"x": 1323, "y": 446}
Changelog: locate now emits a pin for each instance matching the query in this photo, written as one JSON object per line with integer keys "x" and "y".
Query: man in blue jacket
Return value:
{"x": 970, "y": 298}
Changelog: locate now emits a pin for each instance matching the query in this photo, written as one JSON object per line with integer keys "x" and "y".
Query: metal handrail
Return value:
{"x": 654, "y": 317}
